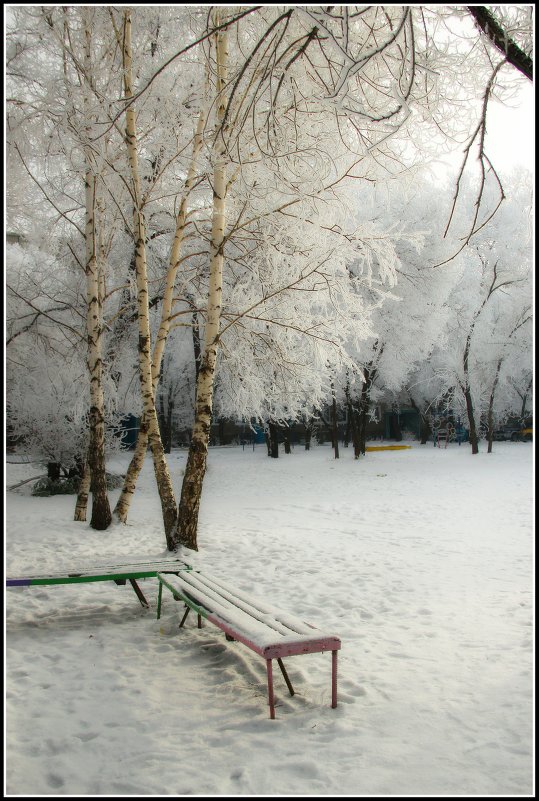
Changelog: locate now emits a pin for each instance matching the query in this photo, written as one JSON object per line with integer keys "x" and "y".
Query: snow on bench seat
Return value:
{"x": 268, "y": 631}
{"x": 119, "y": 573}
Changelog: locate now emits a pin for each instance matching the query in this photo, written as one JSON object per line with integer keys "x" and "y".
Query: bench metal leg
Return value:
{"x": 159, "y": 597}
{"x": 184, "y": 618}
{"x": 285, "y": 675}
{"x": 270, "y": 688}
{"x": 334, "y": 679}
{"x": 140, "y": 594}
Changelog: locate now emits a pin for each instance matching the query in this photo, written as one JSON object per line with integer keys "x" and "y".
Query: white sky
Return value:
{"x": 511, "y": 131}
{"x": 510, "y": 137}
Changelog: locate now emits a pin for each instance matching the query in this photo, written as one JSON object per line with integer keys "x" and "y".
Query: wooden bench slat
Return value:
{"x": 87, "y": 572}
{"x": 222, "y": 603}
{"x": 262, "y": 624}
{"x": 119, "y": 573}
{"x": 268, "y": 614}
{"x": 268, "y": 631}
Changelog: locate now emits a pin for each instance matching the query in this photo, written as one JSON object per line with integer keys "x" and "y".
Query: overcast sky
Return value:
{"x": 511, "y": 131}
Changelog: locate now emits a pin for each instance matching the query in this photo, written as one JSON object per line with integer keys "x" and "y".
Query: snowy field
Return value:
{"x": 421, "y": 561}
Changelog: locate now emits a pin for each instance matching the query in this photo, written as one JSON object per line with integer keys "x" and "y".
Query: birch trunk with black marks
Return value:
{"x": 188, "y": 511}
{"x": 122, "y": 506}
{"x": 82, "y": 495}
{"x": 101, "y": 514}
{"x": 162, "y": 474}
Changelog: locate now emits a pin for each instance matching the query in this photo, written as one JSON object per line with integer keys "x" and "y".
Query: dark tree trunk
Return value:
{"x": 54, "y": 470}
{"x": 286, "y": 436}
{"x": 490, "y": 412}
{"x": 362, "y": 428}
{"x": 490, "y": 431}
{"x": 273, "y": 440}
{"x": 354, "y": 429}
{"x": 168, "y": 446}
{"x": 348, "y": 430}
{"x": 425, "y": 431}
{"x": 525, "y": 400}
{"x": 364, "y": 406}
{"x": 334, "y": 429}
{"x": 474, "y": 439}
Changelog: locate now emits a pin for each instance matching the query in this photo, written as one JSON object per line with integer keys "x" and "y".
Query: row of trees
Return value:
{"x": 222, "y": 220}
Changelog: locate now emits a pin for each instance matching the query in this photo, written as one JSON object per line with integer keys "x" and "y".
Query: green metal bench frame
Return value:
{"x": 119, "y": 573}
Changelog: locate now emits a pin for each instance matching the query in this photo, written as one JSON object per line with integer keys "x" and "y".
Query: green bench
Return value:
{"x": 119, "y": 573}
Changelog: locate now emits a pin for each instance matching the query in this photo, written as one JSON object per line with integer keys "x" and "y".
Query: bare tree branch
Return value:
{"x": 499, "y": 38}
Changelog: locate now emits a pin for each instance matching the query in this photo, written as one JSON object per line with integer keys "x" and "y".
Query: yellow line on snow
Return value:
{"x": 388, "y": 447}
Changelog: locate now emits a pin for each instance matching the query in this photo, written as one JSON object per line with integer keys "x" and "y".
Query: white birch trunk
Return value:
{"x": 101, "y": 514}
{"x": 162, "y": 474}
{"x": 186, "y": 529}
{"x": 83, "y": 493}
{"x": 135, "y": 466}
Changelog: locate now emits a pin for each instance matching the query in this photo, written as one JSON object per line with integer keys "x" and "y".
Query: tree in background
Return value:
{"x": 487, "y": 306}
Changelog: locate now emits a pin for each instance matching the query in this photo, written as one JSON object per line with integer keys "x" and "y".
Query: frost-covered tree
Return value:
{"x": 46, "y": 355}
{"x": 310, "y": 99}
{"x": 51, "y": 123}
{"x": 408, "y": 323}
{"x": 489, "y": 304}
{"x": 223, "y": 161}
{"x": 76, "y": 108}
{"x": 43, "y": 326}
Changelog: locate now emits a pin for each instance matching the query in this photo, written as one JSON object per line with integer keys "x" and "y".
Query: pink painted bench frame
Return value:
{"x": 184, "y": 588}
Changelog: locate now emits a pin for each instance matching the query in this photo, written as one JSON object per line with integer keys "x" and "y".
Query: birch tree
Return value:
{"x": 122, "y": 506}
{"x": 101, "y": 514}
{"x": 302, "y": 103}
{"x": 163, "y": 478}
{"x": 62, "y": 107}
{"x": 196, "y": 463}
{"x": 288, "y": 118}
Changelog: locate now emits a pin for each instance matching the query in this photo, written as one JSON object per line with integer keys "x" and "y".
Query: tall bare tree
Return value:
{"x": 101, "y": 514}
{"x": 162, "y": 473}
{"x": 186, "y": 528}
{"x": 135, "y": 466}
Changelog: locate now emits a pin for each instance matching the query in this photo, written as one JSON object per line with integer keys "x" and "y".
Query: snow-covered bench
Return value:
{"x": 119, "y": 573}
{"x": 269, "y": 632}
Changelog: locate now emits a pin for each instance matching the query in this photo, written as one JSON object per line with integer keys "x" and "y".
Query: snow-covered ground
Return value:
{"x": 421, "y": 561}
